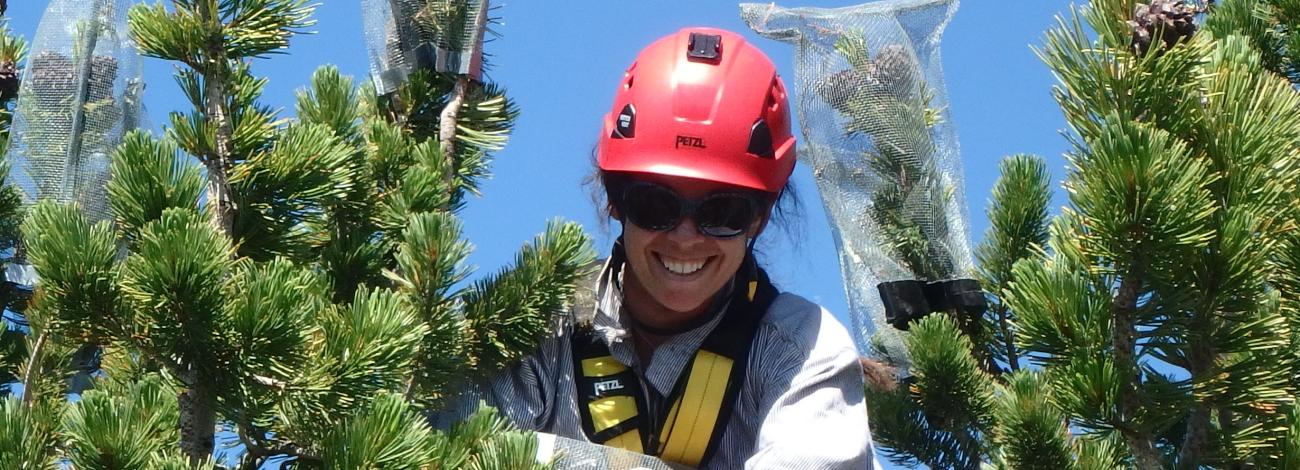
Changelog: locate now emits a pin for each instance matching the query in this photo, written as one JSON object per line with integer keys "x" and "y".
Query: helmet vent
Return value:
{"x": 760, "y": 140}
{"x": 775, "y": 95}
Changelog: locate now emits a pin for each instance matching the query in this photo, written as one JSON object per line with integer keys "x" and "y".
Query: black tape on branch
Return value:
{"x": 912, "y": 299}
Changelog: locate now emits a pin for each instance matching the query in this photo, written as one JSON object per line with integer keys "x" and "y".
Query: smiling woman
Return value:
{"x": 685, "y": 350}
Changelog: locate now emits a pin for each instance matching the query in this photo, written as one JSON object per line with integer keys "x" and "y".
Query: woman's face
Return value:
{"x": 675, "y": 273}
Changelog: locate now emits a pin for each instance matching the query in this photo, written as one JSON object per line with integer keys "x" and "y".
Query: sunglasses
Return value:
{"x": 657, "y": 208}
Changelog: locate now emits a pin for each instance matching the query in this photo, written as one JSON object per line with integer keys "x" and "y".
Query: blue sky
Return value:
{"x": 561, "y": 61}
{"x": 561, "y": 64}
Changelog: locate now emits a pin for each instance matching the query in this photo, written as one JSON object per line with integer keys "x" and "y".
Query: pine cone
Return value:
{"x": 838, "y": 88}
{"x": 103, "y": 71}
{"x": 52, "y": 74}
{"x": 1169, "y": 20}
{"x": 894, "y": 68}
{"x": 8, "y": 79}
{"x": 4, "y": 5}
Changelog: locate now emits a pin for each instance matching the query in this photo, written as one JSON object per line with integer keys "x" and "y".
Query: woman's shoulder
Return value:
{"x": 794, "y": 319}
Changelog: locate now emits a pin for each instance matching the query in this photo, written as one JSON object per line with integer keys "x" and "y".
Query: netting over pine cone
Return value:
{"x": 79, "y": 96}
{"x": 872, "y": 109}
{"x": 403, "y": 35}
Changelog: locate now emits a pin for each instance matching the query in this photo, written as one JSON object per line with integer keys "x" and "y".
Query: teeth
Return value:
{"x": 682, "y": 267}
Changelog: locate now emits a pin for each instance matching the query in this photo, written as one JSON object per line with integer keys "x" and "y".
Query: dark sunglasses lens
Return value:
{"x": 725, "y": 215}
{"x": 652, "y": 207}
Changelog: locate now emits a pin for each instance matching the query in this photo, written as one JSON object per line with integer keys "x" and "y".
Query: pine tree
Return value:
{"x": 1270, "y": 27}
{"x": 304, "y": 287}
{"x": 1153, "y": 324}
{"x": 1181, "y": 204}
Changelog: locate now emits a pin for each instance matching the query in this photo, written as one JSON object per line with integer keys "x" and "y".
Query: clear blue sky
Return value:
{"x": 561, "y": 60}
{"x": 561, "y": 65}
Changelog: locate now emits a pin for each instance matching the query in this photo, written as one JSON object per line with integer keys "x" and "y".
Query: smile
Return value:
{"x": 682, "y": 267}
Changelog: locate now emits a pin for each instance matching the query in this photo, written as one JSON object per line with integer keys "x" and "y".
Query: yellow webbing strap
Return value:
{"x": 689, "y": 426}
{"x": 630, "y": 440}
{"x": 610, "y": 411}
{"x": 601, "y": 366}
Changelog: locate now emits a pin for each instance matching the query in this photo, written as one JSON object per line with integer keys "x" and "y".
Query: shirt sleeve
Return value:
{"x": 818, "y": 416}
{"x": 524, "y": 393}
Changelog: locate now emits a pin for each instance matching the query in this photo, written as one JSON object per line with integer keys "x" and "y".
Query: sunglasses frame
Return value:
{"x": 689, "y": 207}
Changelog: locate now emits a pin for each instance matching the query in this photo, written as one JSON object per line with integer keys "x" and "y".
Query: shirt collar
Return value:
{"x": 608, "y": 318}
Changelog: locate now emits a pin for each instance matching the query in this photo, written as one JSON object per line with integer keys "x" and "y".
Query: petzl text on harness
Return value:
{"x": 685, "y": 426}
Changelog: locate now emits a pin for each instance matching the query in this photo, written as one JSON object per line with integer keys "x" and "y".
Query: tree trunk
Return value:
{"x": 33, "y": 363}
{"x": 1200, "y": 359}
{"x": 1009, "y": 340}
{"x": 447, "y": 120}
{"x": 197, "y": 402}
{"x": 198, "y": 420}
{"x": 447, "y": 127}
{"x": 214, "y": 107}
{"x": 1124, "y": 342}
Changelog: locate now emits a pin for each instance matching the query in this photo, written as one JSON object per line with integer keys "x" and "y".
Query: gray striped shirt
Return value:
{"x": 801, "y": 406}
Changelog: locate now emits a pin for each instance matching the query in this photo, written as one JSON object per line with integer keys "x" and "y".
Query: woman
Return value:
{"x": 687, "y": 351}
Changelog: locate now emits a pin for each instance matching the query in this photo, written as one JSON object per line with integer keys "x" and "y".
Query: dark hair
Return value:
{"x": 786, "y": 211}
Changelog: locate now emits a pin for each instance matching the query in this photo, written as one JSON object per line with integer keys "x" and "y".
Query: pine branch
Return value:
{"x": 487, "y": 440}
{"x": 212, "y": 39}
{"x": 1269, "y": 25}
{"x": 507, "y": 314}
{"x": 951, "y": 388}
{"x": 1031, "y": 432}
{"x": 269, "y": 316}
{"x": 285, "y": 191}
{"x": 122, "y": 428}
{"x": 421, "y": 188}
{"x": 75, "y": 261}
{"x": 258, "y": 449}
{"x": 174, "y": 283}
{"x": 384, "y": 434}
{"x": 430, "y": 261}
{"x": 907, "y": 438}
{"x": 149, "y": 178}
{"x": 363, "y": 349}
{"x": 331, "y": 101}
{"x": 1018, "y": 228}
{"x": 28, "y": 434}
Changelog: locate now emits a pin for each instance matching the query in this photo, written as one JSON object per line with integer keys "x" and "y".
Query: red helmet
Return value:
{"x": 701, "y": 103}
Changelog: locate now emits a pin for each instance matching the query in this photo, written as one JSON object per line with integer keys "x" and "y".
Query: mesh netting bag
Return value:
{"x": 872, "y": 108}
{"x": 572, "y": 454}
{"x": 398, "y": 44}
{"x": 81, "y": 92}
